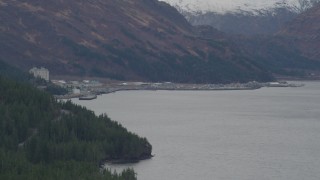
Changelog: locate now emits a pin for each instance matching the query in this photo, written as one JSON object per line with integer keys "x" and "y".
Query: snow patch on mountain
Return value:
{"x": 238, "y": 6}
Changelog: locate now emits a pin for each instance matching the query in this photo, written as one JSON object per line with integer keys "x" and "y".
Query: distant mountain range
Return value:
{"x": 242, "y": 17}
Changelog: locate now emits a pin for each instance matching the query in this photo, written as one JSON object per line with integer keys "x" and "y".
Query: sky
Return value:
{"x": 222, "y": 6}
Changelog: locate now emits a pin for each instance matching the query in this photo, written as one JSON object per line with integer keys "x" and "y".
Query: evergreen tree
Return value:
{"x": 41, "y": 138}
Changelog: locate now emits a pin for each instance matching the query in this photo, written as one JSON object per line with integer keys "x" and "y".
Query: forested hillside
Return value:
{"x": 41, "y": 138}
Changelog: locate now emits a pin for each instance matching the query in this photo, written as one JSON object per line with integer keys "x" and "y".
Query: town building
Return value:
{"x": 42, "y": 73}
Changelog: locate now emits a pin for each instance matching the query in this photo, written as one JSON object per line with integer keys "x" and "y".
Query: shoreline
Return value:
{"x": 168, "y": 86}
{"x": 104, "y": 162}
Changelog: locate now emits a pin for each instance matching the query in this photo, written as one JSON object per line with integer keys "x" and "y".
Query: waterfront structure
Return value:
{"x": 42, "y": 73}
{"x": 88, "y": 97}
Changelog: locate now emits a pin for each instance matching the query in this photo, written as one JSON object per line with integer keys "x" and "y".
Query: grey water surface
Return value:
{"x": 264, "y": 134}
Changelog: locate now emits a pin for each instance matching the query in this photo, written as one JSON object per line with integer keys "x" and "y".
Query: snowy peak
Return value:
{"x": 238, "y": 6}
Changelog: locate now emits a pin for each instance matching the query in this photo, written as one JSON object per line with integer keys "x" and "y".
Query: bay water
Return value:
{"x": 263, "y": 134}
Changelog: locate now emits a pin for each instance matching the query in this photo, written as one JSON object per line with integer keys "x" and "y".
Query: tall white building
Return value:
{"x": 40, "y": 72}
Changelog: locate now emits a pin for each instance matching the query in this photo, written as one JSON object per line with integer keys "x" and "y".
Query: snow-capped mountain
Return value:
{"x": 242, "y": 16}
{"x": 236, "y": 6}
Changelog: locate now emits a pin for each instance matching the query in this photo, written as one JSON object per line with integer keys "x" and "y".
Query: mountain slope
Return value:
{"x": 41, "y": 138}
{"x": 305, "y": 32}
{"x": 279, "y": 55}
{"x": 292, "y": 51}
{"x": 244, "y": 23}
{"x": 123, "y": 39}
{"x": 242, "y": 16}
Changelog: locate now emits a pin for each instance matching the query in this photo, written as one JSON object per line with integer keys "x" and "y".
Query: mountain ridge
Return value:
{"x": 248, "y": 18}
{"x": 125, "y": 40}
{"x": 242, "y": 6}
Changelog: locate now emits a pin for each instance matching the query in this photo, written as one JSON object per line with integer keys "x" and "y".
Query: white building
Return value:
{"x": 40, "y": 72}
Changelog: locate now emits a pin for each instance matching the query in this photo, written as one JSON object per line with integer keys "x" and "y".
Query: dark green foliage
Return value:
{"x": 12, "y": 72}
{"x": 48, "y": 86}
{"x": 41, "y": 138}
{"x": 56, "y": 90}
{"x": 23, "y": 77}
{"x": 14, "y": 166}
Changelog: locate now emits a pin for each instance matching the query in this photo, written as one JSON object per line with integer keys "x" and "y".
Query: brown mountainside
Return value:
{"x": 121, "y": 39}
{"x": 305, "y": 32}
{"x": 293, "y": 51}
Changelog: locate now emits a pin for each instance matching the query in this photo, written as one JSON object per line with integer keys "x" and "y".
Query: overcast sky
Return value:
{"x": 227, "y": 5}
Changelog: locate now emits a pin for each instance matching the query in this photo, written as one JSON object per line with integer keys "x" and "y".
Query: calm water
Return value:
{"x": 265, "y": 134}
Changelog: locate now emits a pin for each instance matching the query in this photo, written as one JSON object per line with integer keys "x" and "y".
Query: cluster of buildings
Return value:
{"x": 78, "y": 87}
{"x": 75, "y": 88}
{"x": 85, "y": 88}
{"x": 42, "y": 73}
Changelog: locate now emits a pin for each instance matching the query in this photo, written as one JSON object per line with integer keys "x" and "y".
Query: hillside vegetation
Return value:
{"x": 41, "y": 138}
{"x": 125, "y": 40}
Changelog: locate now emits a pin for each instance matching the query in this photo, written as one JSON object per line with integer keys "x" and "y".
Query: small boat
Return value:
{"x": 88, "y": 97}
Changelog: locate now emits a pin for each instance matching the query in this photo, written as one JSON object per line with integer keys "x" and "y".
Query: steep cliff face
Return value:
{"x": 123, "y": 39}
{"x": 304, "y": 32}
